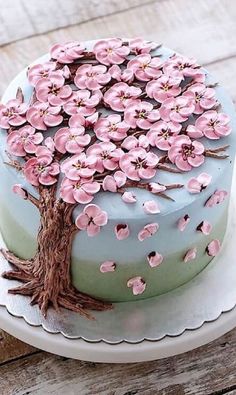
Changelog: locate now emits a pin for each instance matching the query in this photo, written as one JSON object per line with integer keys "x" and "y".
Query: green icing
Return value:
{"x": 172, "y": 273}
{"x": 15, "y": 237}
{"x": 86, "y": 276}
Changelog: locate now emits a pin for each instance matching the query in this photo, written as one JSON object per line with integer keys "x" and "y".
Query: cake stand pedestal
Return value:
{"x": 118, "y": 353}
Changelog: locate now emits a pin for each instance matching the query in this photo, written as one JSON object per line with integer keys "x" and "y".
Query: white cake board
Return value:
{"x": 120, "y": 353}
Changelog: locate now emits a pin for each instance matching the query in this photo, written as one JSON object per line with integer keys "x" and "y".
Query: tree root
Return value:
{"x": 67, "y": 296}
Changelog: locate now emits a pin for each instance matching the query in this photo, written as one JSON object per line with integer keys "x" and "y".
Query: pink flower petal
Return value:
{"x": 122, "y": 231}
{"x": 151, "y": 207}
{"x": 205, "y": 227}
{"x": 107, "y": 266}
{"x": 137, "y": 284}
{"x": 128, "y": 197}
{"x": 190, "y": 255}
{"x": 183, "y": 222}
{"x": 154, "y": 259}
{"x": 213, "y": 247}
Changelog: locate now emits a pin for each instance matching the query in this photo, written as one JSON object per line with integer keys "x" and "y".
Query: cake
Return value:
{"x": 116, "y": 169}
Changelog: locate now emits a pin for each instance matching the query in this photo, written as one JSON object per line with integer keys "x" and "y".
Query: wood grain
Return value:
{"x": 11, "y": 348}
{"x": 210, "y": 39}
{"x": 23, "y": 18}
{"x": 207, "y": 370}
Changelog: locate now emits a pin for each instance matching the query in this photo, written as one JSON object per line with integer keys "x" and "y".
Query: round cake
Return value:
{"x": 116, "y": 168}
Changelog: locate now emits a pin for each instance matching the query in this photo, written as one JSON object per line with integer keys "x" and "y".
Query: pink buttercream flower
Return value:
{"x": 198, "y": 184}
{"x": 23, "y": 141}
{"x": 139, "y": 46}
{"x": 218, "y": 197}
{"x": 145, "y": 67}
{"x": 105, "y": 155}
{"x": 213, "y": 247}
{"x": 177, "y": 109}
{"x": 117, "y": 74}
{"x": 155, "y": 187}
{"x": 182, "y": 67}
{"x": 107, "y": 266}
{"x": 42, "y": 115}
{"x": 39, "y": 71}
{"x": 12, "y": 113}
{"x": 82, "y": 102}
{"x": 151, "y": 207}
{"x": 131, "y": 142}
{"x": 154, "y": 259}
{"x": 203, "y": 97}
{"x": 91, "y": 219}
{"x": 53, "y": 90}
{"x": 141, "y": 114}
{"x": 111, "y": 128}
{"x": 91, "y": 77}
{"x": 78, "y": 166}
{"x": 122, "y": 231}
{"x": 205, "y": 227}
{"x": 161, "y": 134}
{"x": 120, "y": 95}
{"x": 19, "y": 190}
{"x": 213, "y": 125}
{"x": 81, "y": 190}
{"x": 112, "y": 183}
{"x": 190, "y": 255}
{"x": 41, "y": 169}
{"x": 183, "y": 222}
{"x": 71, "y": 139}
{"x": 148, "y": 231}
{"x": 137, "y": 284}
{"x": 68, "y": 52}
{"x": 185, "y": 153}
{"x": 139, "y": 164}
{"x": 110, "y": 51}
{"x": 163, "y": 88}
{"x": 129, "y": 197}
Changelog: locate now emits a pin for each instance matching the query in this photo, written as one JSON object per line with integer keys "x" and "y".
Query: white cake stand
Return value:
{"x": 120, "y": 353}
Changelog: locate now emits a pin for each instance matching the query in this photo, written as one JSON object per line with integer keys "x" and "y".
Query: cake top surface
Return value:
{"x": 120, "y": 123}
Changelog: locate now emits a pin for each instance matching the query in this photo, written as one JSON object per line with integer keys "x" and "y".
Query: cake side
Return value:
{"x": 157, "y": 235}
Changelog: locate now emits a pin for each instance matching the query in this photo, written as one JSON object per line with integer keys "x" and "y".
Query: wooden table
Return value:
{"x": 205, "y": 29}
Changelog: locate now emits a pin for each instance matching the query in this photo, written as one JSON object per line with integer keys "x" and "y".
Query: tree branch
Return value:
{"x": 32, "y": 199}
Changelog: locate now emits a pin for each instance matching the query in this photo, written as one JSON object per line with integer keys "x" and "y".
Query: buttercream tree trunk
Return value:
{"x": 47, "y": 276}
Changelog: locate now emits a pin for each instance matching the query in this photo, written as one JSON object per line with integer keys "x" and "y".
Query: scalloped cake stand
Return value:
{"x": 118, "y": 353}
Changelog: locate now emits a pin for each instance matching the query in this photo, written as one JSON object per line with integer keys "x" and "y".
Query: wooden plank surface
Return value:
{"x": 205, "y": 29}
{"x": 11, "y": 348}
{"x": 207, "y": 370}
{"x": 24, "y": 18}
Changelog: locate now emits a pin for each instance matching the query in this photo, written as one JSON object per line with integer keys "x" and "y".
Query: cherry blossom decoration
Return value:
{"x": 91, "y": 219}
{"x": 213, "y": 248}
{"x": 198, "y": 184}
{"x": 101, "y": 117}
{"x": 218, "y": 197}
{"x": 122, "y": 231}
{"x": 205, "y": 227}
{"x": 148, "y": 231}
{"x": 137, "y": 284}
{"x": 185, "y": 153}
{"x": 183, "y": 222}
{"x": 110, "y": 51}
{"x": 107, "y": 266}
{"x": 154, "y": 259}
{"x": 190, "y": 255}
{"x": 151, "y": 207}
